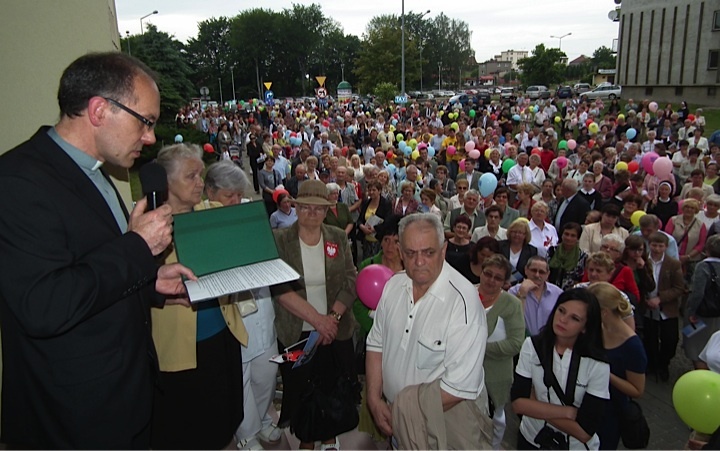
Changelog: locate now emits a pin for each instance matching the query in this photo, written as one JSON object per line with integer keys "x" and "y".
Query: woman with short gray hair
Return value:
{"x": 226, "y": 183}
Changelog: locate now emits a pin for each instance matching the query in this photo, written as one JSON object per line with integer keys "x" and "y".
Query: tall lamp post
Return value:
{"x": 142, "y": 31}
{"x": 220, "y": 85}
{"x": 402, "y": 50}
{"x": 422, "y": 43}
{"x": 440, "y": 76}
{"x": 127, "y": 35}
{"x": 560, "y": 38}
{"x": 232, "y": 77}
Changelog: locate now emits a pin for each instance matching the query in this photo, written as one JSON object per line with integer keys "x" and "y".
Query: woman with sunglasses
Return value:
{"x": 506, "y": 331}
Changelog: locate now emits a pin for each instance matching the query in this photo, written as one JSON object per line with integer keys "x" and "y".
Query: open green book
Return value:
{"x": 230, "y": 249}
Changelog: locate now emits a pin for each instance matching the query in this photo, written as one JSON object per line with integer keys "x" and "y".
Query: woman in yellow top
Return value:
{"x": 199, "y": 346}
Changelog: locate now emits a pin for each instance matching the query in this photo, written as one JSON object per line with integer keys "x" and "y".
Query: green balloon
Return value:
{"x": 507, "y": 165}
{"x": 696, "y": 397}
{"x": 472, "y": 113}
{"x": 400, "y": 137}
{"x": 562, "y": 144}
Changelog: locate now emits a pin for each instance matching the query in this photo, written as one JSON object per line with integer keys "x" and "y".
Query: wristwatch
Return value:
{"x": 335, "y": 315}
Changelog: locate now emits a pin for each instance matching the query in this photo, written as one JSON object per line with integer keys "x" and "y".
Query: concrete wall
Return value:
{"x": 38, "y": 40}
{"x": 663, "y": 50}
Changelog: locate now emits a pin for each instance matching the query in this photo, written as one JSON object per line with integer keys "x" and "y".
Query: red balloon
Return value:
{"x": 344, "y": 151}
{"x": 390, "y": 155}
{"x": 326, "y": 123}
{"x": 293, "y": 135}
{"x": 209, "y": 148}
{"x": 588, "y": 122}
{"x": 591, "y": 143}
{"x": 370, "y": 283}
{"x": 691, "y": 117}
{"x": 633, "y": 167}
{"x": 536, "y": 151}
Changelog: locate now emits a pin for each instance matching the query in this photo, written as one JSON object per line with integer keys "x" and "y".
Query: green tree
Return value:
{"x": 210, "y": 55}
{"x": 603, "y": 58}
{"x": 385, "y": 92}
{"x": 543, "y": 67}
{"x": 379, "y": 59}
{"x": 164, "y": 55}
{"x": 253, "y": 38}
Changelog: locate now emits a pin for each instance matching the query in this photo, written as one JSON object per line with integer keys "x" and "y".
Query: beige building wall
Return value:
{"x": 38, "y": 40}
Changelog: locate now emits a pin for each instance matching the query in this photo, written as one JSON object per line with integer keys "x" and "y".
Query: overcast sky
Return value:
{"x": 495, "y": 25}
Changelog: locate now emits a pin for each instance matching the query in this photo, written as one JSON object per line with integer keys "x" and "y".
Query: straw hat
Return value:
{"x": 313, "y": 192}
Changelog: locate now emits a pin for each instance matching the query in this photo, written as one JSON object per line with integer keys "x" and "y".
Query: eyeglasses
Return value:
{"x": 462, "y": 188}
{"x": 607, "y": 248}
{"x": 494, "y": 277}
{"x": 150, "y": 124}
{"x": 312, "y": 209}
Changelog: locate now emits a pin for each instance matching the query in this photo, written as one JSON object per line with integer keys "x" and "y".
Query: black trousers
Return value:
{"x": 201, "y": 408}
{"x": 254, "y": 167}
{"x": 660, "y": 339}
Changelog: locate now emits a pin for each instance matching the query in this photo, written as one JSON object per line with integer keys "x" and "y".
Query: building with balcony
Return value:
{"x": 513, "y": 56}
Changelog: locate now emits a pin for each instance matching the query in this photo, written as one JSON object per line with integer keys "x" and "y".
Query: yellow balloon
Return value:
{"x": 557, "y": 119}
{"x": 594, "y": 128}
{"x": 392, "y": 128}
{"x": 308, "y": 115}
{"x": 415, "y": 154}
{"x": 487, "y": 153}
{"x": 621, "y": 166}
{"x": 621, "y": 116}
{"x": 635, "y": 218}
{"x": 440, "y": 113}
{"x": 455, "y": 126}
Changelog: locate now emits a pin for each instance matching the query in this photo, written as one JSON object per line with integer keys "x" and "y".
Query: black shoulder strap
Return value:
{"x": 568, "y": 396}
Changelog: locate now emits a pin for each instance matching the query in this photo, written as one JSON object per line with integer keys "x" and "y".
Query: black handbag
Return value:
{"x": 634, "y": 429}
{"x": 326, "y": 412}
{"x": 710, "y": 305}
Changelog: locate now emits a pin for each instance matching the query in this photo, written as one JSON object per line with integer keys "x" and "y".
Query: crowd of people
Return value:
{"x": 573, "y": 206}
{"x": 541, "y": 264}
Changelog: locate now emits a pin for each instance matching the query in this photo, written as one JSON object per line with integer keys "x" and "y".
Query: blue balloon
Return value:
{"x": 178, "y": 138}
{"x": 407, "y": 151}
{"x": 394, "y": 122}
{"x": 391, "y": 169}
{"x": 351, "y": 130}
{"x": 631, "y": 133}
{"x": 359, "y": 151}
{"x": 402, "y": 145}
{"x": 287, "y": 134}
{"x": 502, "y": 140}
{"x": 516, "y": 117}
{"x": 488, "y": 183}
{"x": 431, "y": 151}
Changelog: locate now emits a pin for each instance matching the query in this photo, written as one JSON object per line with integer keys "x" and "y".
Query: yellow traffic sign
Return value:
{"x": 321, "y": 80}
{"x": 267, "y": 84}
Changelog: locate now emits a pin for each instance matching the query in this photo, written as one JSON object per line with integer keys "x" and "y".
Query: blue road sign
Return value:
{"x": 269, "y": 97}
{"x": 400, "y": 99}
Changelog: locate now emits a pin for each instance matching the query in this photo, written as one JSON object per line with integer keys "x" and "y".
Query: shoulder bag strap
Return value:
{"x": 686, "y": 232}
{"x": 567, "y": 397}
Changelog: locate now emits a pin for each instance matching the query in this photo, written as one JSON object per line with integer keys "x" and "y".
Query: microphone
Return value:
{"x": 153, "y": 179}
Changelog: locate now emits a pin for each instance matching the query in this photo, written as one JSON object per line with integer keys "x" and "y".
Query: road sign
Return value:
{"x": 321, "y": 80}
{"x": 269, "y": 97}
{"x": 321, "y": 93}
{"x": 400, "y": 99}
{"x": 204, "y": 91}
{"x": 267, "y": 84}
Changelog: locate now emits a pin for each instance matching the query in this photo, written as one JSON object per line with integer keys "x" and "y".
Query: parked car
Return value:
{"x": 459, "y": 98}
{"x": 564, "y": 92}
{"x": 484, "y": 95}
{"x": 605, "y": 92}
{"x": 507, "y": 93}
{"x": 580, "y": 88}
{"x": 425, "y": 96}
{"x": 537, "y": 92}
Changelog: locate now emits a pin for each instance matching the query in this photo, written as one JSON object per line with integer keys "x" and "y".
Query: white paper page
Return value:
{"x": 244, "y": 278}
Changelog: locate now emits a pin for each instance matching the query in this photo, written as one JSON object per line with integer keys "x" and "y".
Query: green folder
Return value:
{"x": 230, "y": 249}
{"x": 212, "y": 240}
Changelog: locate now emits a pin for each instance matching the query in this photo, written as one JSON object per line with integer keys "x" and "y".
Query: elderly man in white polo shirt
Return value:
{"x": 428, "y": 326}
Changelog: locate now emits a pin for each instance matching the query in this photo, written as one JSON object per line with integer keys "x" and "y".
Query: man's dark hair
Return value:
{"x": 110, "y": 74}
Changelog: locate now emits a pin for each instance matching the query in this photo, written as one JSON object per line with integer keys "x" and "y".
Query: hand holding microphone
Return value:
{"x": 150, "y": 218}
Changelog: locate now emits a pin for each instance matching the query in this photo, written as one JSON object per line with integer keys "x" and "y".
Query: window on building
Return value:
{"x": 648, "y": 90}
{"x": 711, "y": 91}
{"x": 713, "y": 57}
{"x": 716, "y": 21}
{"x": 678, "y": 90}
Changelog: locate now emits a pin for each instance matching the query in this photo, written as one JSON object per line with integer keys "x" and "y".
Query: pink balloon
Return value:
{"x": 572, "y": 144}
{"x": 507, "y": 145}
{"x": 462, "y": 164}
{"x": 653, "y": 107}
{"x": 647, "y": 162}
{"x": 562, "y": 162}
{"x": 370, "y": 283}
{"x": 662, "y": 167}
{"x": 470, "y": 145}
{"x": 451, "y": 150}
{"x": 474, "y": 154}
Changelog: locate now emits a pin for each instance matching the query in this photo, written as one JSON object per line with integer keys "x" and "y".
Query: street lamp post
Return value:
{"x": 421, "y": 49}
{"x": 232, "y": 77}
{"x": 560, "y": 38}
{"x": 402, "y": 50}
{"x": 440, "y": 76}
{"x": 220, "y": 85}
{"x": 144, "y": 17}
{"x": 127, "y": 35}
